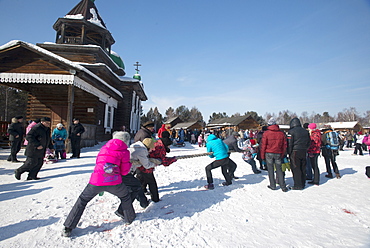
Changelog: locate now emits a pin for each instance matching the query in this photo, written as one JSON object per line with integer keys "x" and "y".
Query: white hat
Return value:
{"x": 59, "y": 125}
{"x": 124, "y": 136}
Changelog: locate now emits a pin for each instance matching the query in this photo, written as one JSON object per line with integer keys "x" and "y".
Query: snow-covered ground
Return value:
{"x": 245, "y": 214}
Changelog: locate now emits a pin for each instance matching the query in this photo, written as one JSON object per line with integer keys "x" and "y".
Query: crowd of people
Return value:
{"x": 127, "y": 170}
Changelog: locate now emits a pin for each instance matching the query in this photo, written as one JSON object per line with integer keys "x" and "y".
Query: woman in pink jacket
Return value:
{"x": 112, "y": 162}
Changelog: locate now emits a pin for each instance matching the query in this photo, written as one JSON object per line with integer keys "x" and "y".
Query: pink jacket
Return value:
{"x": 28, "y": 128}
{"x": 112, "y": 161}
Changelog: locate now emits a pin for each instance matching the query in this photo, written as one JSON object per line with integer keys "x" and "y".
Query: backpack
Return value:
{"x": 332, "y": 141}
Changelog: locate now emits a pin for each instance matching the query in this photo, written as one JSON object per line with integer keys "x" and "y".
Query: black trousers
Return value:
{"x": 76, "y": 146}
{"x": 32, "y": 165}
{"x": 330, "y": 157}
{"x": 148, "y": 179}
{"x": 14, "y": 149}
{"x": 224, "y": 163}
{"x": 298, "y": 167}
{"x": 90, "y": 192}
{"x": 136, "y": 191}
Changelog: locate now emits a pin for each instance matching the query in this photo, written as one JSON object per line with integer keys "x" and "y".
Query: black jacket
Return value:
{"x": 232, "y": 142}
{"x": 74, "y": 129}
{"x": 298, "y": 137}
{"x": 16, "y": 128}
{"x": 39, "y": 135}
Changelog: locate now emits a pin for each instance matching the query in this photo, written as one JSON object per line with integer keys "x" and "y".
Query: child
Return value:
{"x": 249, "y": 153}
{"x": 50, "y": 157}
{"x": 200, "y": 140}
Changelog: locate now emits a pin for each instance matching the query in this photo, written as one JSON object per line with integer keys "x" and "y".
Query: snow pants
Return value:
{"x": 90, "y": 192}
{"x": 136, "y": 192}
{"x": 148, "y": 179}
{"x": 298, "y": 166}
{"x": 224, "y": 163}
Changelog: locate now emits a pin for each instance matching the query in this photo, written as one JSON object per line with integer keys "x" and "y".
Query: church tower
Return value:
{"x": 83, "y": 26}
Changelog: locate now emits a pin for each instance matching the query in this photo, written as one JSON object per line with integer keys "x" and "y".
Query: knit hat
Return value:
{"x": 312, "y": 126}
{"x": 59, "y": 125}
{"x": 360, "y": 133}
{"x": 124, "y": 136}
{"x": 148, "y": 124}
{"x": 149, "y": 143}
{"x": 252, "y": 141}
{"x": 272, "y": 121}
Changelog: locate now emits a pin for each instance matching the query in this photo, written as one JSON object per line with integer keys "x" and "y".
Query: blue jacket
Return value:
{"x": 218, "y": 147}
{"x": 59, "y": 133}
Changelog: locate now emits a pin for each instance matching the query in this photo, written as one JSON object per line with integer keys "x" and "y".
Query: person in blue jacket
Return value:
{"x": 220, "y": 153}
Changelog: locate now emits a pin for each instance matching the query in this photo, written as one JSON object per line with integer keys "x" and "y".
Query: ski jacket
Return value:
{"x": 360, "y": 138}
{"x": 39, "y": 135}
{"x": 232, "y": 143}
{"x": 142, "y": 134}
{"x": 75, "y": 129}
{"x": 298, "y": 137}
{"x": 161, "y": 130}
{"x": 15, "y": 129}
{"x": 112, "y": 162}
{"x": 273, "y": 141}
{"x": 315, "y": 145}
{"x": 218, "y": 147}
{"x": 138, "y": 151}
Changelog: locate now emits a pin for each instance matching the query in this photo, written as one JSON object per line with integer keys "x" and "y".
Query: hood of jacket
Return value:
{"x": 116, "y": 145}
{"x": 273, "y": 128}
{"x": 211, "y": 137}
{"x": 295, "y": 122}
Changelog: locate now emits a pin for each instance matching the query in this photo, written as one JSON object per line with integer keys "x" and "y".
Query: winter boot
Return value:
{"x": 209, "y": 186}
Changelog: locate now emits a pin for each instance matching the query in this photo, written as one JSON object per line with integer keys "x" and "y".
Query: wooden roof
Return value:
{"x": 85, "y": 8}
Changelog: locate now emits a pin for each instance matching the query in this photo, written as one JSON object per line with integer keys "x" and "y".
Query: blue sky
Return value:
{"x": 227, "y": 56}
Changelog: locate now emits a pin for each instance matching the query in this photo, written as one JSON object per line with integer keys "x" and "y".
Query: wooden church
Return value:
{"x": 78, "y": 76}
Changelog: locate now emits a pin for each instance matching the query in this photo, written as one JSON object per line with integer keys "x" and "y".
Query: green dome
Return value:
{"x": 117, "y": 59}
{"x": 137, "y": 76}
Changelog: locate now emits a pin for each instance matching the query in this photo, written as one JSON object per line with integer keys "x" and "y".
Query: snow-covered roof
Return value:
{"x": 341, "y": 125}
{"x": 74, "y": 65}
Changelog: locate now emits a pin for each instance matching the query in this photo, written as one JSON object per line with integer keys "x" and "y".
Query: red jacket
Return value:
{"x": 315, "y": 144}
{"x": 273, "y": 141}
{"x": 160, "y": 152}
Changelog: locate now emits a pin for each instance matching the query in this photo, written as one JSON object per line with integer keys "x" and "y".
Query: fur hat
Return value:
{"x": 148, "y": 124}
{"x": 271, "y": 121}
{"x": 312, "y": 126}
{"x": 45, "y": 119}
{"x": 59, "y": 125}
{"x": 124, "y": 136}
{"x": 149, "y": 143}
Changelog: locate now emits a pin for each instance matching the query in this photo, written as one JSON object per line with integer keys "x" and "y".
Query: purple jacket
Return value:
{"x": 112, "y": 161}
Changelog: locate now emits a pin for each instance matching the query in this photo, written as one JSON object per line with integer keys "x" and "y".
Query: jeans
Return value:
{"x": 329, "y": 157}
{"x": 271, "y": 160}
{"x": 252, "y": 162}
{"x": 308, "y": 168}
{"x": 315, "y": 167}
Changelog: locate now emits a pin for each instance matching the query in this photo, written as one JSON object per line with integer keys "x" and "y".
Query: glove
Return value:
{"x": 254, "y": 155}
